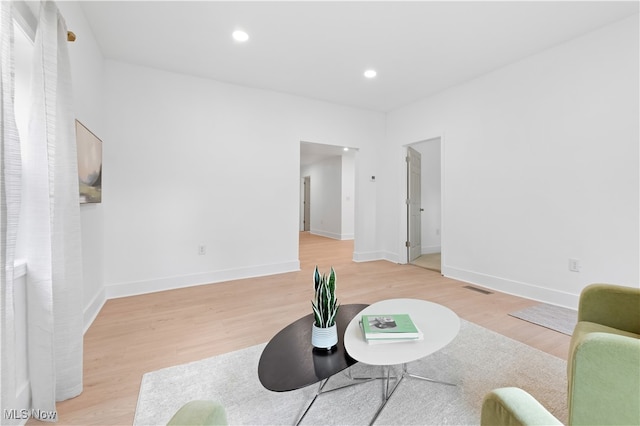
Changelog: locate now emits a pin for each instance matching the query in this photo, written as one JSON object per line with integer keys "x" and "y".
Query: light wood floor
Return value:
{"x": 135, "y": 335}
{"x": 431, "y": 261}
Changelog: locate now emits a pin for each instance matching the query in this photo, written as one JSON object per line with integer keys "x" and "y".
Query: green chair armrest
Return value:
{"x": 514, "y": 407}
{"x": 199, "y": 413}
{"x": 604, "y": 385}
{"x": 611, "y": 305}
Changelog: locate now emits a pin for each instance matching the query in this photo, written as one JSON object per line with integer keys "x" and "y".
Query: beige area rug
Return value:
{"x": 556, "y": 318}
{"x": 431, "y": 261}
{"x": 477, "y": 361}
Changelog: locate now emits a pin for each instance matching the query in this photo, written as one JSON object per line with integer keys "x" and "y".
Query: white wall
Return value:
{"x": 87, "y": 72}
{"x": 326, "y": 197}
{"x": 190, "y": 161}
{"x": 540, "y": 165}
{"x": 348, "y": 197}
{"x": 332, "y": 183}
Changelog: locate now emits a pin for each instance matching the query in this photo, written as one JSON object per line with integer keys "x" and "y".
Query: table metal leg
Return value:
{"x": 350, "y": 376}
{"x": 415, "y": 376}
{"x": 356, "y": 381}
{"x": 324, "y": 382}
{"x": 388, "y": 391}
{"x": 405, "y": 373}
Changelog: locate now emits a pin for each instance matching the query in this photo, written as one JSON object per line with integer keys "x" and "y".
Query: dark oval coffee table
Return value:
{"x": 289, "y": 362}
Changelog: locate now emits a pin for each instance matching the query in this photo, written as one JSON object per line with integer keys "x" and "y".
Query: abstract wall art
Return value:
{"x": 89, "y": 148}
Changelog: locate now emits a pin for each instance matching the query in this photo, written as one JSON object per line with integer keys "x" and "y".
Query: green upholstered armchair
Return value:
{"x": 603, "y": 368}
{"x": 199, "y": 413}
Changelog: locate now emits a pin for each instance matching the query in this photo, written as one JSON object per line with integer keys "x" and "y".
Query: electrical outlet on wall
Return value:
{"x": 574, "y": 265}
{"x": 202, "y": 250}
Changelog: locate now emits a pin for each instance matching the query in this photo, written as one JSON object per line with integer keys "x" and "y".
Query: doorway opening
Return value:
{"x": 424, "y": 204}
{"x": 327, "y": 190}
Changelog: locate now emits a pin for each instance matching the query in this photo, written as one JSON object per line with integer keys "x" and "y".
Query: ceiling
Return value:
{"x": 313, "y": 152}
{"x": 321, "y": 49}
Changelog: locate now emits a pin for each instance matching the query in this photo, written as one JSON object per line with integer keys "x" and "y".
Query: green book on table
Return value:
{"x": 389, "y": 326}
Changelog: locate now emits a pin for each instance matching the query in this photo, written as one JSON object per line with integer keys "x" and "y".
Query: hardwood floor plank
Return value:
{"x": 138, "y": 334}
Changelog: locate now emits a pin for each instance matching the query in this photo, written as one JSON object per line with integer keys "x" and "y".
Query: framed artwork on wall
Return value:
{"x": 89, "y": 148}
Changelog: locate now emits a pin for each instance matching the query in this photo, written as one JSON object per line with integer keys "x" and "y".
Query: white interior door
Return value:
{"x": 414, "y": 206}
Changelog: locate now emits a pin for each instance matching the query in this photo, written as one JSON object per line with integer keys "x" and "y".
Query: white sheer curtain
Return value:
{"x": 10, "y": 190}
{"x": 54, "y": 271}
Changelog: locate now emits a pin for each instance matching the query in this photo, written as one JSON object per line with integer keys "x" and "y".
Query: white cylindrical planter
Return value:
{"x": 324, "y": 338}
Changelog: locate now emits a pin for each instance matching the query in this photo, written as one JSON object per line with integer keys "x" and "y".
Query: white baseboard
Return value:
{"x": 332, "y": 235}
{"x": 92, "y": 310}
{"x": 371, "y": 256}
{"x": 515, "y": 288}
{"x": 430, "y": 249}
{"x": 114, "y": 291}
{"x": 366, "y": 256}
{"x": 392, "y": 257}
{"x": 327, "y": 234}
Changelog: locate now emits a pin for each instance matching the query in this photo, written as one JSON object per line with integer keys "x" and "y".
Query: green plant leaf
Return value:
{"x": 325, "y": 303}
{"x": 316, "y": 279}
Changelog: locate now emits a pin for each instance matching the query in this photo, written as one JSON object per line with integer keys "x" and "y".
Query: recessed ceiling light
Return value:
{"x": 346, "y": 148}
{"x": 240, "y": 36}
{"x": 370, "y": 73}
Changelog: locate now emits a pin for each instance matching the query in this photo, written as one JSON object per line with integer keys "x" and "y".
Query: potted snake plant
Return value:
{"x": 324, "y": 333}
